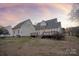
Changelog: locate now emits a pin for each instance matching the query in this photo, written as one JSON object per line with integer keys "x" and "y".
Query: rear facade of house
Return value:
{"x": 26, "y": 28}
{"x": 49, "y": 27}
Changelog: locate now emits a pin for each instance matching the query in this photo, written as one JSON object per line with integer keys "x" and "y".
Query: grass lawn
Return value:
{"x": 27, "y": 46}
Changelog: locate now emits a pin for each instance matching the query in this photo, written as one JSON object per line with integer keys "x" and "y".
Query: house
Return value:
{"x": 49, "y": 25}
{"x": 24, "y": 28}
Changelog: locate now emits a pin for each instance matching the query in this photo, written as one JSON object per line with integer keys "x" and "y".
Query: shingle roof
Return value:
{"x": 19, "y": 25}
{"x": 52, "y": 23}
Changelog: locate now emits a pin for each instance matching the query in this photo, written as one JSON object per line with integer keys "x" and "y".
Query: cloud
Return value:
{"x": 15, "y": 12}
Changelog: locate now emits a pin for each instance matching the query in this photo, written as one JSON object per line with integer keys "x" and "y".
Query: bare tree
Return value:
{"x": 75, "y": 12}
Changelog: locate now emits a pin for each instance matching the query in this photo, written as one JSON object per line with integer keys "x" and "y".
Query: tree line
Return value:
{"x": 3, "y": 31}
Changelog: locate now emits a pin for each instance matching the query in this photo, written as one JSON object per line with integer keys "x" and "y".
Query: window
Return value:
{"x": 14, "y": 32}
{"x": 18, "y": 31}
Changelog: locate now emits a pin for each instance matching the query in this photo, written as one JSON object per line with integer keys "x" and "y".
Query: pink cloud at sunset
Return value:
{"x": 11, "y": 14}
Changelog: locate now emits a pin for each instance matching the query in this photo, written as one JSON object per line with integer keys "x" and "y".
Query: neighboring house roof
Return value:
{"x": 20, "y": 24}
{"x": 52, "y": 23}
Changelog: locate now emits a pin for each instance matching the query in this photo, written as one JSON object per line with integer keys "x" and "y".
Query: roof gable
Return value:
{"x": 20, "y": 24}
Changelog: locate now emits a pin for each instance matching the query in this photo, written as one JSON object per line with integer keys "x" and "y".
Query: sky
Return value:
{"x": 13, "y": 13}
